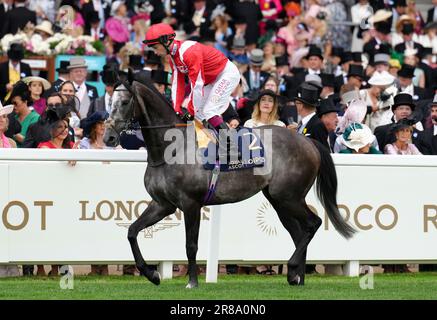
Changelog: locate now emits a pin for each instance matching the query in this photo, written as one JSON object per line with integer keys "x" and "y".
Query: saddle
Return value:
{"x": 250, "y": 149}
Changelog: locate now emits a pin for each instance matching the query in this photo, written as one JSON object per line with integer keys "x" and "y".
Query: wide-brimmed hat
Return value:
{"x": 357, "y": 136}
{"x": 314, "y": 51}
{"x": 381, "y": 79}
{"x": 160, "y": 76}
{"x": 77, "y": 62}
{"x": 266, "y": 92}
{"x": 46, "y": 85}
{"x": 16, "y": 51}
{"x": 256, "y": 57}
{"x": 404, "y": 19}
{"x": 114, "y": 7}
{"x": 356, "y": 70}
{"x": 380, "y": 15}
{"x": 401, "y": 124}
{"x": 63, "y": 66}
{"x": 5, "y": 110}
{"x": 407, "y": 71}
{"x": 87, "y": 123}
{"x": 308, "y": 95}
{"x": 45, "y": 26}
{"x": 327, "y": 106}
{"x": 20, "y": 89}
{"x": 403, "y": 99}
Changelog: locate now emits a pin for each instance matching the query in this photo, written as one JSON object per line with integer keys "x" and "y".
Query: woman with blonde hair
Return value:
{"x": 265, "y": 111}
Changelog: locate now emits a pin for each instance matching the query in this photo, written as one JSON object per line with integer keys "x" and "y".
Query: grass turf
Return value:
{"x": 229, "y": 287}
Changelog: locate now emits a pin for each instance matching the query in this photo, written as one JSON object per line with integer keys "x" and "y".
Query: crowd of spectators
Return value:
{"x": 368, "y": 86}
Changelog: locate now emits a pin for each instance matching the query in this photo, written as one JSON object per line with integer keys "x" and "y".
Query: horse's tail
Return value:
{"x": 326, "y": 187}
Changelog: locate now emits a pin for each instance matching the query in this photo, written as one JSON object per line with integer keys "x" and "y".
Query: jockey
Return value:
{"x": 212, "y": 76}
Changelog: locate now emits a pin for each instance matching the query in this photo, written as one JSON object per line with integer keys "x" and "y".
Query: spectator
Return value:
{"x": 269, "y": 64}
{"x": 140, "y": 23}
{"x": 410, "y": 58}
{"x": 355, "y": 76}
{"x": 68, "y": 90}
{"x": 37, "y": 87}
{"x": 429, "y": 37}
{"x": 265, "y": 111}
{"x": 358, "y": 139}
{"x": 44, "y": 29}
{"x": 402, "y": 108}
{"x": 94, "y": 130}
{"x": 380, "y": 35}
{"x": 328, "y": 114}
{"x": 5, "y": 142}
{"x": 238, "y": 54}
{"x": 104, "y": 103}
{"x": 254, "y": 77}
{"x": 17, "y": 18}
{"x": 288, "y": 32}
{"x": 93, "y": 26}
{"x": 379, "y": 98}
{"x": 12, "y": 70}
{"x": 407, "y": 30}
{"x": 403, "y": 132}
{"x": 40, "y": 131}
{"x": 306, "y": 101}
{"x": 222, "y": 30}
{"x": 78, "y": 22}
{"x": 59, "y": 137}
{"x": 249, "y": 12}
{"x": 84, "y": 92}
{"x": 63, "y": 75}
{"x": 432, "y": 13}
{"x": 117, "y": 26}
{"x": 405, "y": 77}
{"x": 25, "y": 116}
{"x": 360, "y": 13}
{"x": 429, "y": 136}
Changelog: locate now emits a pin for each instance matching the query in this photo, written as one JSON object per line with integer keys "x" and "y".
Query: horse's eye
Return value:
{"x": 125, "y": 102}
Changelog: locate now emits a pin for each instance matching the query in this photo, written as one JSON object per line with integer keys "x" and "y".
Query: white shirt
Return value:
{"x": 108, "y": 106}
{"x": 254, "y": 79}
{"x": 409, "y": 89}
{"x": 311, "y": 71}
{"x": 251, "y": 123}
{"x": 435, "y": 130}
{"x": 305, "y": 120}
{"x": 80, "y": 90}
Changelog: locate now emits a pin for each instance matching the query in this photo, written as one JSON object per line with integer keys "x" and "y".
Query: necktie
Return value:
{"x": 299, "y": 127}
{"x": 256, "y": 80}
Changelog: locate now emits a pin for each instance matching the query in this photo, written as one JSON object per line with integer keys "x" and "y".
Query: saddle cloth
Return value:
{"x": 250, "y": 148}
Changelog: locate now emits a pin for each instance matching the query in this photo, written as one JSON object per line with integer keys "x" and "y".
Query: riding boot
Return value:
{"x": 228, "y": 150}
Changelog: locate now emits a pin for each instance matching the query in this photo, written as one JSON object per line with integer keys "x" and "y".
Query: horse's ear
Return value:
{"x": 130, "y": 76}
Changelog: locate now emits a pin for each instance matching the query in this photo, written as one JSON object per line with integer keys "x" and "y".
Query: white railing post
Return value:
{"x": 165, "y": 268}
{"x": 352, "y": 268}
{"x": 213, "y": 245}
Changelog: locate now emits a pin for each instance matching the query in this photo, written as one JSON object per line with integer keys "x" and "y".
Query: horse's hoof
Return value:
{"x": 297, "y": 280}
{"x": 192, "y": 285}
{"x": 156, "y": 278}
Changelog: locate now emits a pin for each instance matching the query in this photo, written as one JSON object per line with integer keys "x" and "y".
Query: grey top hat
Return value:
{"x": 256, "y": 57}
{"x": 381, "y": 58}
{"x": 77, "y": 62}
{"x": 238, "y": 43}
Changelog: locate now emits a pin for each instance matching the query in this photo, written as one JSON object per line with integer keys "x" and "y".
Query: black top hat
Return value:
{"x": 282, "y": 60}
{"x": 327, "y": 79}
{"x": 160, "y": 76}
{"x": 383, "y": 27}
{"x": 93, "y": 17}
{"x": 346, "y": 57}
{"x": 87, "y": 123}
{"x": 400, "y": 3}
{"x": 308, "y": 95}
{"x": 422, "y": 53}
{"x": 403, "y": 99}
{"x": 326, "y": 106}
{"x": 152, "y": 58}
{"x": 207, "y": 36}
{"x": 271, "y": 25}
{"x": 407, "y": 71}
{"x": 240, "y": 20}
{"x": 357, "y": 57}
{"x": 314, "y": 51}
{"x": 337, "y": 52}
{"x": 16, "y": 52}
{"x": 136, "y": 61}
{"x": 356, "y": 71}
{"x": 63, "y": 67}
{"x": 407, "y": 28}
{"x": 109, "y": 74}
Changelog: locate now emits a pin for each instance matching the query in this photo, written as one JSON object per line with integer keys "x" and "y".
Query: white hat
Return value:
{"x": 46, "y": 85}
{"x": 114, "y": 7}
{"x": 380, "y": 15}
{"x": 381, "y": 79}
{"x": 6, "y": 109}
{"x": 357, "y": 136}
{"x": 45, "y": 26}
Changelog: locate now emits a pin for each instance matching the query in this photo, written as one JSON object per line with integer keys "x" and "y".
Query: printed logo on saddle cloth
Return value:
{"x": 250, "y": 152}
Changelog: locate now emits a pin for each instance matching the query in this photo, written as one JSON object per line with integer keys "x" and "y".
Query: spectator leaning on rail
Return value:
{"x": 358, "y": 139}
{"x": 212, "y": 76}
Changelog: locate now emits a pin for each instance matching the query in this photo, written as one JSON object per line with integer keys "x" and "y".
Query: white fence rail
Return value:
{"x": 53, "y": 213}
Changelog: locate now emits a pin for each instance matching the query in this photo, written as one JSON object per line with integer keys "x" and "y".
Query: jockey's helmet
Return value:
{"x": 160, "y": 33}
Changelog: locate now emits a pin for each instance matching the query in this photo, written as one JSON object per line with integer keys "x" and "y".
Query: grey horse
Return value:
{"x": 296, "y": 161}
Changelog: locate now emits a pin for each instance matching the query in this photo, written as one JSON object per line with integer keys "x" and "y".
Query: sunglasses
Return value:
{"x": 54, "y": 105}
